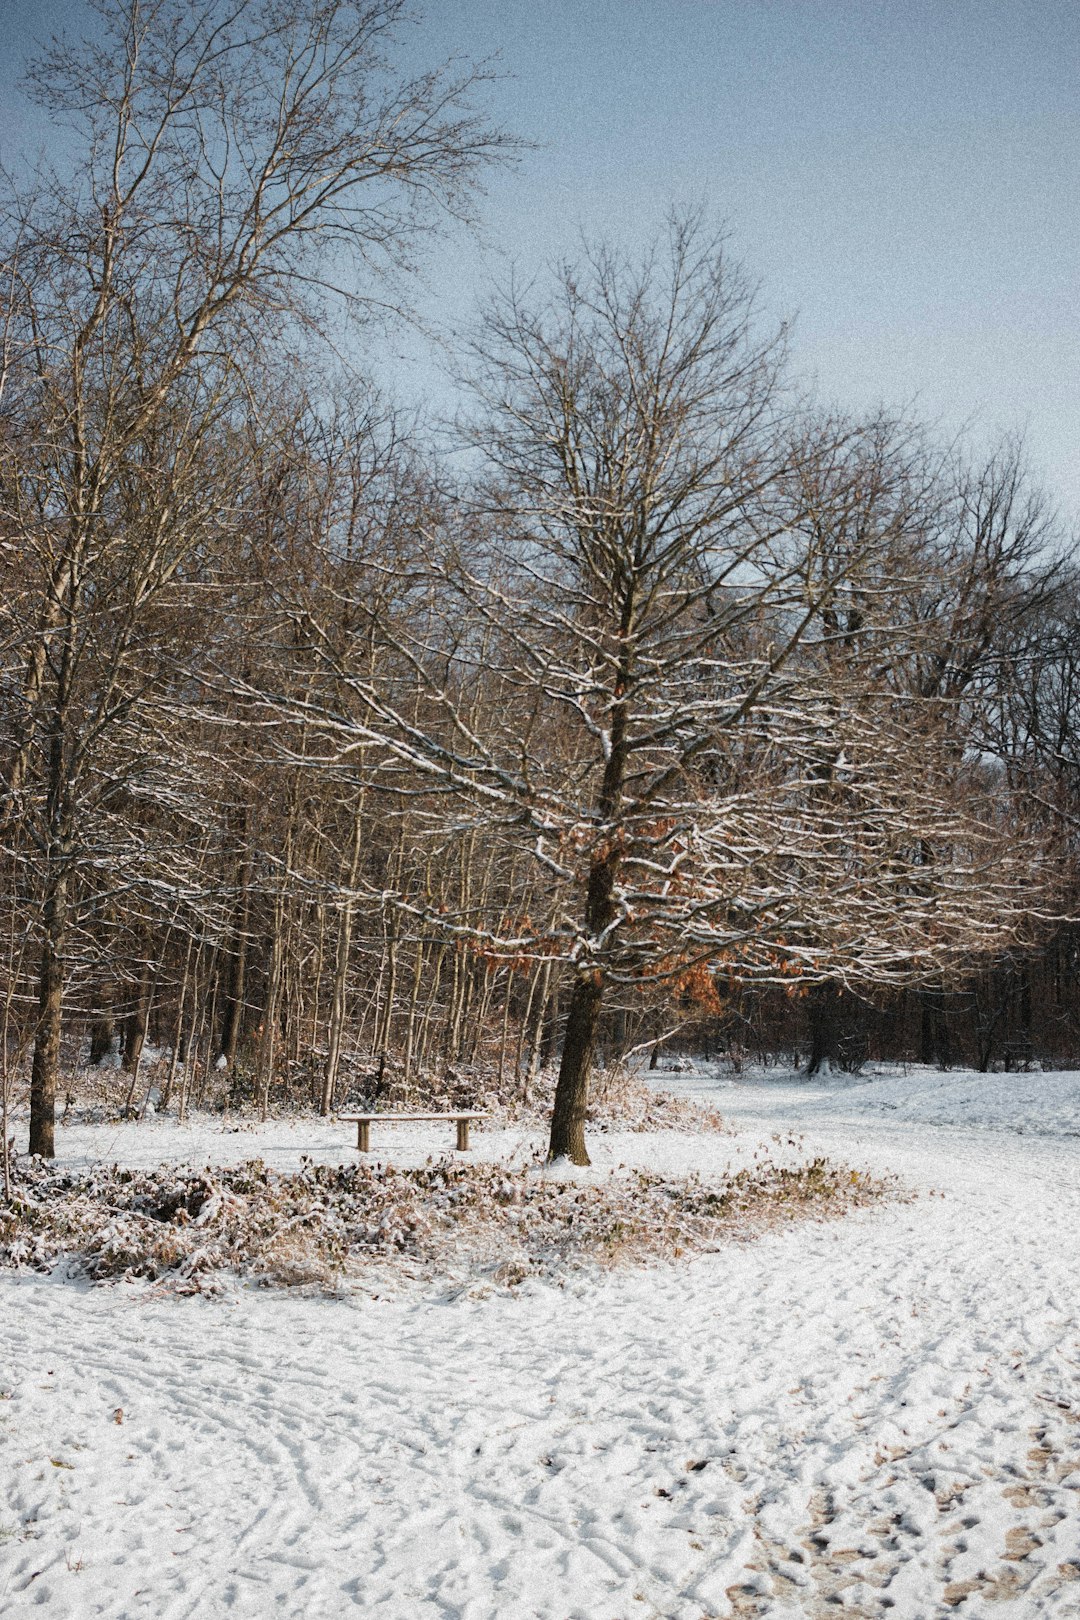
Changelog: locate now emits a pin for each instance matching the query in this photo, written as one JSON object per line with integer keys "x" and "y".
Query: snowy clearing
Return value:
{"x": 860, "y": 1416}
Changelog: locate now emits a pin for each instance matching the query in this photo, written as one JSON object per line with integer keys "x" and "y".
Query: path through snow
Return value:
{"x": 876, "y": 1415}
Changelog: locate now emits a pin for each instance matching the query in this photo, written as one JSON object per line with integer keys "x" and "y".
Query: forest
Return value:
{"x": 648, "y": 707}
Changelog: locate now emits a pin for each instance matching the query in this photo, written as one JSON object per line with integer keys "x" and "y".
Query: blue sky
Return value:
{"x": 902, "y": 175}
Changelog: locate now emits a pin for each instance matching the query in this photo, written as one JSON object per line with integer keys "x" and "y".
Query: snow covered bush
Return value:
{"x": 323, "y": 1222}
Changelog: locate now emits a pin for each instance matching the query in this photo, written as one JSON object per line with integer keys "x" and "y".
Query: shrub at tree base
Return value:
{"x": 322, "y": 1222}
{"x": 618, "y": 1098}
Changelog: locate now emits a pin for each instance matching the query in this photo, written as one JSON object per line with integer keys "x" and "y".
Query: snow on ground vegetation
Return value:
{"x": 873, "y": 1415}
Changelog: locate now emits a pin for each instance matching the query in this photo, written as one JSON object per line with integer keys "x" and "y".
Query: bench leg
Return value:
{"x": 463, "y": 1135}
{"x": 363, "y": 1136}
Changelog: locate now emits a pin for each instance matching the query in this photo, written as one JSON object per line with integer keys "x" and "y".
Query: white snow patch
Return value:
{"x": 882, "y": 1411}
{"x": 1041, "y": 1103}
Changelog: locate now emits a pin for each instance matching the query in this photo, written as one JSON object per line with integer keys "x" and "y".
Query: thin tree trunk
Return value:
{"x": 388, "y": 965}
{"x": 5, "y": 1061}
{"x": 135, "y": 1039}
{"x": 824, "y": 1028}
{"x": 316, "y": 977}
{"x": 5, "y": 1105}
{"x": 343, "y": 945}
{"x": 209, "y": 1064}
{"x": 46, "y": 1061}
{"x": 463, "y": 978}
{"x": 526, "y": 1025}
{"x": 235, "y": 1005}
{"x": 383, "y": 1041}
{"x": 414, "y": 1001}
{"x": 294, "y": 995}
{"x": 536, "y": 1052}
{"x": 101, "y": 1038}
{"x": 45, "y": 1068}
{"x": 135, "y": 1025}
{"x": 270, "y": 1013}
{"x": 479, "y": 1023}
{"x": 175, "y": 1057}
{"x": 505, "y": 1029}
{"x": 549, "y": 1030}
{"x": 926, "y": 1029}
{"x": 191, "y": 1064}
{"x": 457, "y": 1006}
{"x": 428, "y": 1019}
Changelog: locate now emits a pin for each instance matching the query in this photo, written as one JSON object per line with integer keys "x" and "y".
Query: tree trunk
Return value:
{"x": 210, "y": 1025}
{"x": 529, "y": 1029}
{"x": 414, "y": 1002}
{"x": 479, "y": 1021}
{"x": 135, "y": 1025}
{"x": 429, "y": 1014}
{"x": 383, "y": 1042}
{"x": 54, "y": 916}
{"x": 268, "y": 1043}
{"x": 46, "y": 1063}
{"x": 587, "y": 997}
{"x": 235, "y": 1005}
{"x": 572, "y": 1090}
{"x": 343, "y": 946}
{"x": 824, "y": 1029}
{"x": 457, "y": 1006}
{"x": 935, "y": 1043}
{"x": 926, "y": 1029}
{"x": 536, "y": 1055}
{"x": 316, "y": 979}
{"x": 180, "y": 1039}
{"x": 504, "y": 1032}
{"x": 135, "y": 1039}
{"x": 236, "y": 1001}
{"x": 101, "y": 1039}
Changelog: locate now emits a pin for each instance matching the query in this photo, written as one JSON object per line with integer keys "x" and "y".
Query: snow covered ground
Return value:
{"x": 871, "y": 1416}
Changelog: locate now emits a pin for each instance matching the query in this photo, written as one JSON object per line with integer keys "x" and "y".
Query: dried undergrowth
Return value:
{"x": 619, "y": 1099}
{"x": 321, "y": 1223}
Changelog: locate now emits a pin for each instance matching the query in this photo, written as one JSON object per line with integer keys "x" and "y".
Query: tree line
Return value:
{"x": 669, "y": 706}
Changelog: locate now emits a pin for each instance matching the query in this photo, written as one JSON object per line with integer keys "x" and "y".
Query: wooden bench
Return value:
{"x": 364, "y": 1122}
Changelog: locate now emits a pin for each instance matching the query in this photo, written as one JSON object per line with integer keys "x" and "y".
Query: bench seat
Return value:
{"x": 462, "y": 1118}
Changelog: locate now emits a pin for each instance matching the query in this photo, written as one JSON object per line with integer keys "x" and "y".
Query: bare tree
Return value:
{"x": 636, "y": 596}
{"x": 238, "y": 164}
